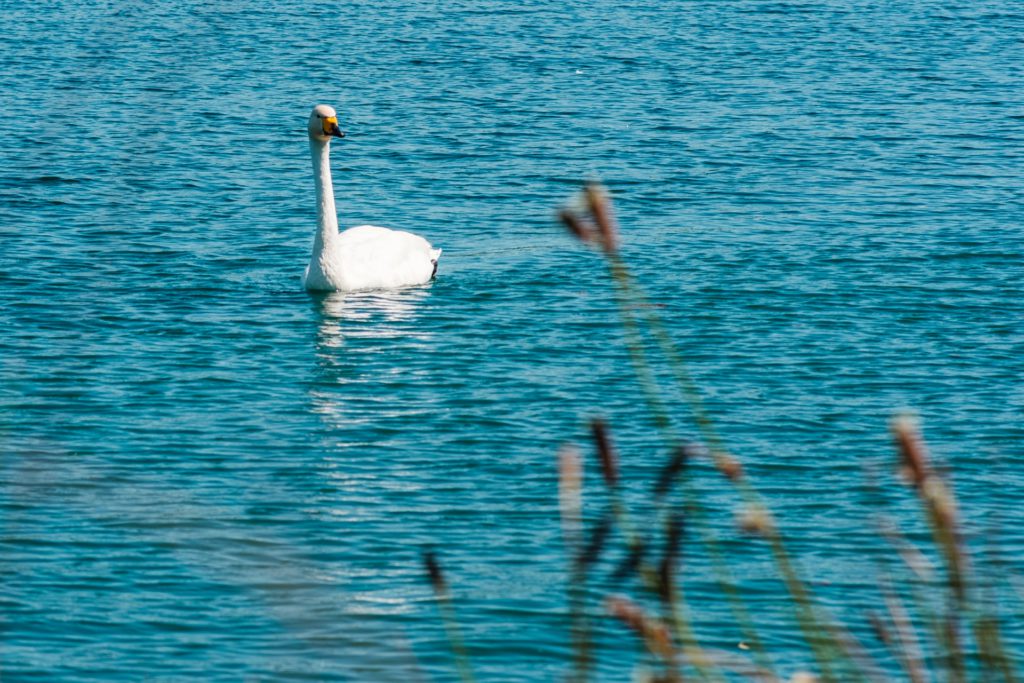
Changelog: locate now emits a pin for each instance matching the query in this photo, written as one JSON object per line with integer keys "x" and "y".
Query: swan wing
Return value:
{"x": 372, "y": 257}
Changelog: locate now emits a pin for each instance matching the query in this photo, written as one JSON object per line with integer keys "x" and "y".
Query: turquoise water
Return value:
{"x": 209, "y": 473}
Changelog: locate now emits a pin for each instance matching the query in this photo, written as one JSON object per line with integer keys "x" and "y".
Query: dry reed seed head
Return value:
{"x": 913, "y": 453}
{"x": 434, "y": 571}
{"x": 944, "y": 510}
{"x": 674, "y": 532}
{"x": 609, "y": 464}
{"x": 756, "y": 519}
{"x": 570, "y": 468}
{"x": 600, "y": 207}
{"x": 577, "y": 226}
{"x": 570, "y": 493}
{"x": 625, "y": 610}
{"x": 675, "y": 465}
{"x": 666, "y": 580}
{"x": 803, "y": 677}
{"x": 729, "y": 466}
{"x": 654, "y": 633}
{"x": 878, "y": 626}
{"x": 917, "y": 562}
{"x": 592, "y": 550}
{"x": 641, "y": 674}
{"x": 943, "y": 502}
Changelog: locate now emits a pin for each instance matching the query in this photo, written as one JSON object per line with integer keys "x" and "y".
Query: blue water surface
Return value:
{"x": 209, "y": 474}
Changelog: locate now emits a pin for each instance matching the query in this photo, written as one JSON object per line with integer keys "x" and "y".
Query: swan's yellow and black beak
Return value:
{"x": 330, "y": 124}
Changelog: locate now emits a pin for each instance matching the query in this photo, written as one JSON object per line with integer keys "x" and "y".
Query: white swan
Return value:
{"x": 363, "y": 257}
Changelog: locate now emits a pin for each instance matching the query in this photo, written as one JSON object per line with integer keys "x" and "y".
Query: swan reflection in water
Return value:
{"x": 372, "y": 354}
{"x": 368, "y": 315}
{"x": 364, "y": 345}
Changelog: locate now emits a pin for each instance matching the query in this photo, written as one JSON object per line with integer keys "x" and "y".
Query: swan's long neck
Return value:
{"x": 326, "y": 214}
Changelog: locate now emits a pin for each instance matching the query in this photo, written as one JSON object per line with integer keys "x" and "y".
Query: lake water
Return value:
{"x": 208, "y": 473}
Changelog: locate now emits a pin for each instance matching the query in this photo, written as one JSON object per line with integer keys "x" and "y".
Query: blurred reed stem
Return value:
{"x": 727, "y": 584}
{"x": 947, "y": 606}
{"x": 630, "y": 298}
{"x": 906, "y": 648}
{"x": 447, "y": 610}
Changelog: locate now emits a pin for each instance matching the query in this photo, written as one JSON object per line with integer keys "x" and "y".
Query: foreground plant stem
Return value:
{"x": 629, "y": 298}
{"x": 447, "y": 609}
{"x": 838, "y": 654}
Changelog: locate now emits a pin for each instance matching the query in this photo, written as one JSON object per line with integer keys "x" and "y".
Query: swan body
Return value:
{"x": 371, "y": 257}
{"x": 363, "y": 257}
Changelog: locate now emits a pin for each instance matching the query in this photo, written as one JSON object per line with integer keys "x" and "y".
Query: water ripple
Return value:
{"x": 208, "y": 473}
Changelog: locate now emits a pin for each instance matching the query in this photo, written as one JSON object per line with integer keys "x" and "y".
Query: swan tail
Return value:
{"x": 434, "y": 255}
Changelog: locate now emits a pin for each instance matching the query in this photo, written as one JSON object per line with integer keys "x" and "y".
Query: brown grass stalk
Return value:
{"x": 947, "y": 624}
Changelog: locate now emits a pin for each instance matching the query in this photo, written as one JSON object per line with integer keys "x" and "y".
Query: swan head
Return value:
{"x": 323, "y": 124}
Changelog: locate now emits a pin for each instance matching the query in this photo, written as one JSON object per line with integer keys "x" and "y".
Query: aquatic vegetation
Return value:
{"x": 937, "y": 618}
